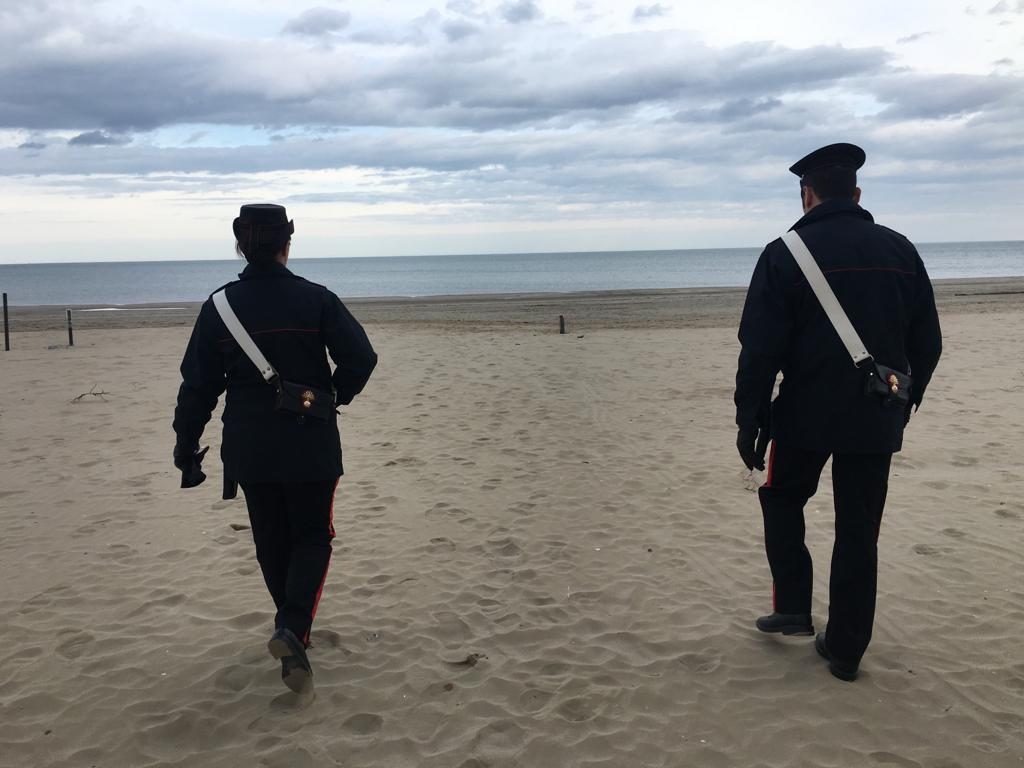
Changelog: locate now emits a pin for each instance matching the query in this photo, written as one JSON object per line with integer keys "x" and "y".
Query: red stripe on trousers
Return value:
{"x": 320, "y": 591}
{"x": 768, "y": 484}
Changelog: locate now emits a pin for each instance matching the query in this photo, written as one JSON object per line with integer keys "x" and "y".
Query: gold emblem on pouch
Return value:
{"x": 308, "y": 397}
{"x": 894, "y": 383}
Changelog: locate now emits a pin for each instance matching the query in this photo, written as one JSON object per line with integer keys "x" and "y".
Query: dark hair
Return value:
{"x": 831, "y": 182}
{"x": 260, "y": 245}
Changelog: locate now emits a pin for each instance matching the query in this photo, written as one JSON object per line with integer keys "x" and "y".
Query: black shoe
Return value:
{"x": 295, "y": 668}
{"x": 847, "y": 672}
{"x": 787, "y": 623}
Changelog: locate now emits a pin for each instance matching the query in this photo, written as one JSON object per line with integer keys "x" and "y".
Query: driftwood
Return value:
{"x": 92, "y": 393}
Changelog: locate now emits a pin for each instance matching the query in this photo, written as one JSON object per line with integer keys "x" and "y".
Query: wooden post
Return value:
{"x": 7, "y": 334}
{"x": 71, "y": 332}
{"x": 561, "y": 323}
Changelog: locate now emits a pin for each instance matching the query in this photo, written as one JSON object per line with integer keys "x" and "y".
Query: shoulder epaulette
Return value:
{"x": 218, "y": 290}
{"x": 893, "y": 231}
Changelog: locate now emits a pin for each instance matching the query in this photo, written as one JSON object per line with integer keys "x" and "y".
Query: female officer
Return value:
{"x": 280, "y": 440}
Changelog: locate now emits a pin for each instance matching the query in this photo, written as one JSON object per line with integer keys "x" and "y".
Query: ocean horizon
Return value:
{"x": 149, "y": 282}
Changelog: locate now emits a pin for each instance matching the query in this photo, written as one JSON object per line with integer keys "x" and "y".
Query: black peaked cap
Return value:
{"x": 833, "y": 156}
{"x": 264, "y": 215}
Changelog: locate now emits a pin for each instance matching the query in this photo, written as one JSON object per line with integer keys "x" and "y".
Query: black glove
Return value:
{"x": 190, "y": 463}
{"x": 752, "y": 445}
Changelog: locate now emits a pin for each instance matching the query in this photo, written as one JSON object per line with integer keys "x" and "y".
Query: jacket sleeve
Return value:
{"x": 764, "y": 335}
{"x": 202, "y": 381}
{"x": 349, "y": 348}
{"x": 924, "y": 339}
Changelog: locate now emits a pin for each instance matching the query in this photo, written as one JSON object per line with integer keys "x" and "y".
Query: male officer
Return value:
{"x": 822, "y": 408}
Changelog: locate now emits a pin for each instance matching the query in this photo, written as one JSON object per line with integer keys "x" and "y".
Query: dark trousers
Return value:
{"x": 292, "y": 525}
{"x": 859, "y": 484}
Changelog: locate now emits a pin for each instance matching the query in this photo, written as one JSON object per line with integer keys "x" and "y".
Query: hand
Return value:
{"x": 183, "y": 456}
{"x": 190, "y": 464}
{"x": 752, "y": 444}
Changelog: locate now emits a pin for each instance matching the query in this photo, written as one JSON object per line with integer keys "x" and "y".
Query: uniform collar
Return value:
{"x": 831, "y": 208}
{"x": 258, "y": 271}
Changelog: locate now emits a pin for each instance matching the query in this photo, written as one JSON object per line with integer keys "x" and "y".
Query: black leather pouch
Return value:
{"x": 304, "y": 400}
{"x": 892, "y": 386}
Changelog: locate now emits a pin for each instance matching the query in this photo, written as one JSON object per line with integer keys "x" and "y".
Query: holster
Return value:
{"x": 894, "y": 387}
{"x": 304, "y": 400}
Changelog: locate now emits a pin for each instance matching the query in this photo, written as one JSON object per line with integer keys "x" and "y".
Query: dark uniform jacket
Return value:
{"x": 295, "y": 323}
{"x": 881, "y": 283}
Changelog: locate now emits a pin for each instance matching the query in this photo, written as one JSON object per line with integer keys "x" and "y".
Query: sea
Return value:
{"x": 156, "y": 282}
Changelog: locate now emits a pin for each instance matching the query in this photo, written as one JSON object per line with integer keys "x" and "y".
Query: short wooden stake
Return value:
{"x": 561, "y": 323}
{"x": 7, "y": 334}
{"x": 71, "y": 332}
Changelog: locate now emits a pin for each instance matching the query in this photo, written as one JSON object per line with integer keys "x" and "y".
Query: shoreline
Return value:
{"x": 631, "y": 308}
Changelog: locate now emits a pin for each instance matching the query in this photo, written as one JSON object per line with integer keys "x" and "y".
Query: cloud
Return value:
{"x": 734, "y": 111}
{"x": 657, "y": 10}
{"x": 32, "y": 145}
{"x": 96, "y": 139}
{"x": 936, "y": 97}
{"x": 317, "y": 22}
{"x": 464, "y": 7}
{"x": 484, "y": 80}
{"x": 459, "y": 30}
{"x": 461, "y": 109}
{"x": 914, "y": 37}
{"x": 1007, "y": 6}
{"x": 520, "y": 11}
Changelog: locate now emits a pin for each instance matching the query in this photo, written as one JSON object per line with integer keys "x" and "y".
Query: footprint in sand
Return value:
{"x": 964, "y": 461}
{"x": 235, "y": 678}
{"x": 555, "y": 669}
{"x": 888, "y": 758}
{"x": 577, "y": 710}
{"x": 928, "y": 549}
{"x": 405, "y": 461}
{"x": 363, "y": 724}
{"x": 534, "y": 700}
{"x": 701, "y": 663}
{"x": 328, "y": 638}
{"x": 986, "y": 742}
{"x": 72, "y": 643}
{"x": 440, "y": 544}
{"x": 504, "y": 547}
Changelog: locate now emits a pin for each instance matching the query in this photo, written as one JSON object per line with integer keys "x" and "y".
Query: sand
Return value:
{"x": 569, "y": 508}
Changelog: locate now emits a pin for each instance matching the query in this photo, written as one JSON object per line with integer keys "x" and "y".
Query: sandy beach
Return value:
{"x": 548, "y": 555}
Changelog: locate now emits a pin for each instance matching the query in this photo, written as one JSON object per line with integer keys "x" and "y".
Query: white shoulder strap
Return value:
{"x": 840, "y": 321}
{"x": 236, "y": 329}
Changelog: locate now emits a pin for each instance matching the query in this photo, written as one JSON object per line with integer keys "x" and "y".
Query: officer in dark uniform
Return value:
{"x": 288, "y": 465}
{"x": 822, "y": 409}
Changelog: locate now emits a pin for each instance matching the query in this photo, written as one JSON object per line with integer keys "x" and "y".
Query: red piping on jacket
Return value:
{"x": 277, "y": 330}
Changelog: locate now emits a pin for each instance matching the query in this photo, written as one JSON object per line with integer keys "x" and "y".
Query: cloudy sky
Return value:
{"x": 134, "y": 130}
